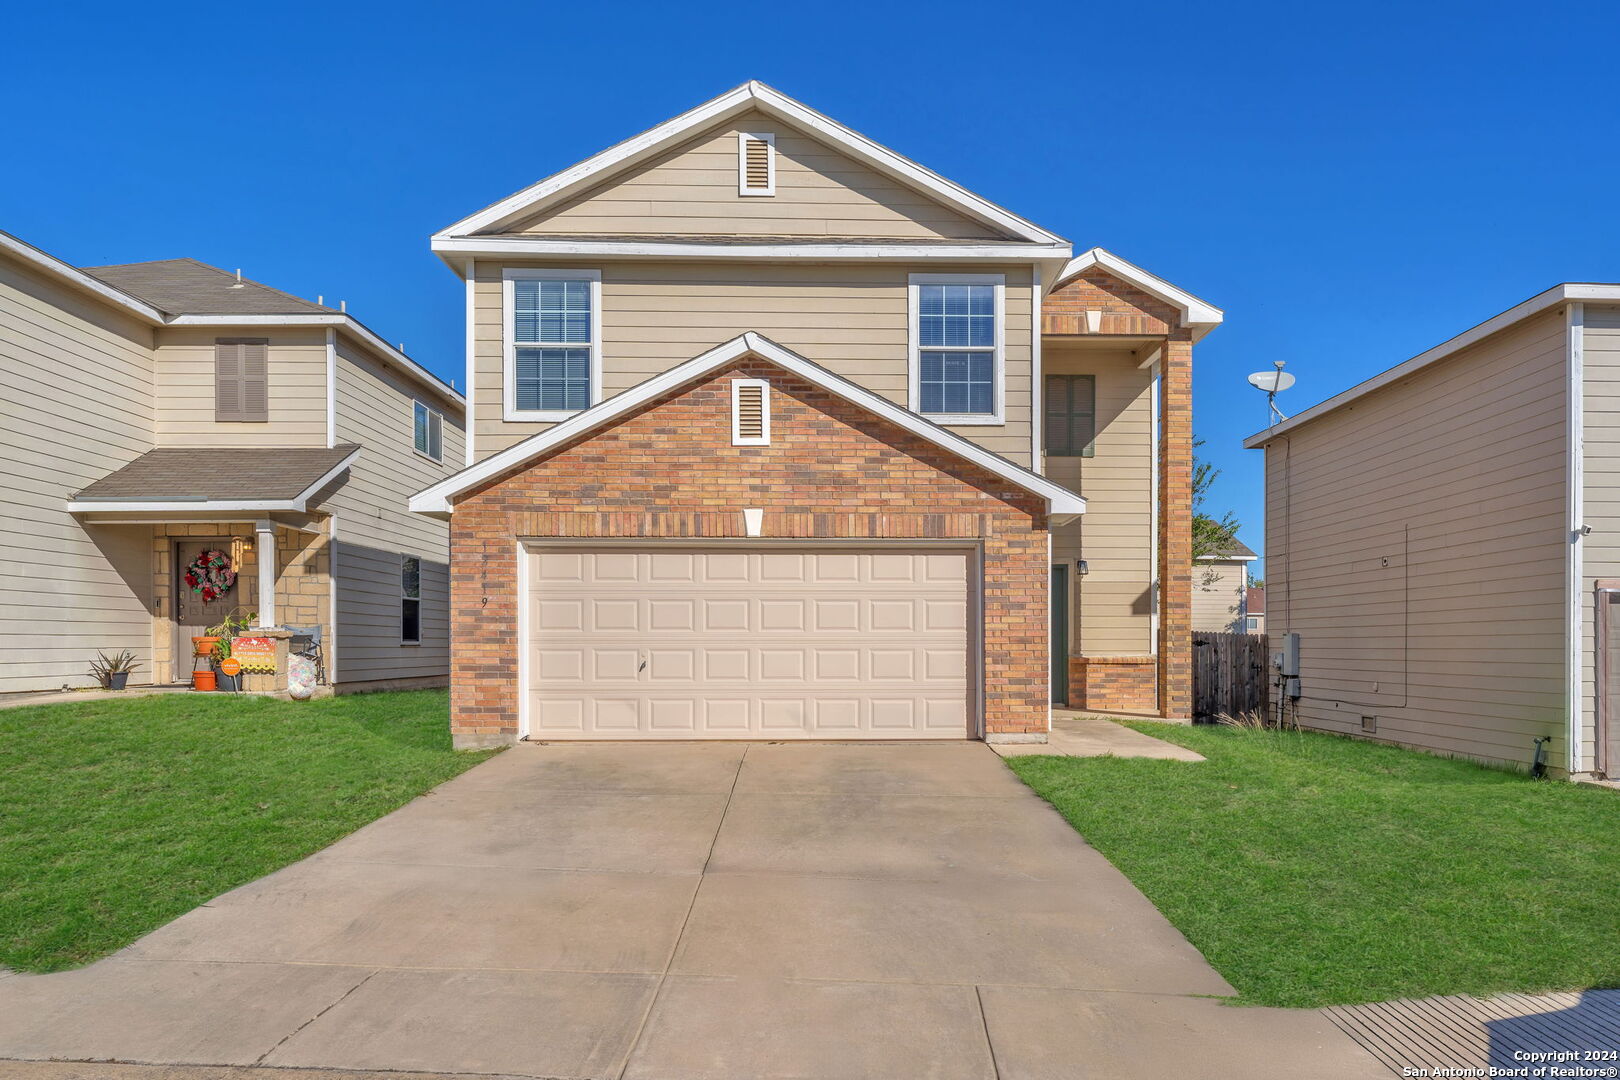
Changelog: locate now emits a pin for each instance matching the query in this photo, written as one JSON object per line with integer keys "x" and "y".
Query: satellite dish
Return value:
{"x": 1272, "y": 382}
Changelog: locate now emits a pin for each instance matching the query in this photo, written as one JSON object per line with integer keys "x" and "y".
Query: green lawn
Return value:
{"x": 1314, "y": 870}
{"x": 118, "y": 815}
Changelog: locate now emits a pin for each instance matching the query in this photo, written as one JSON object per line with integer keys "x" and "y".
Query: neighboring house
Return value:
{"x": 777, "y": 434}
{"x": 156, "y": 410}
{"x": 1220, "y": 582}
{"x": 1445, "y": 539}
{"x": 1254, "y": 610}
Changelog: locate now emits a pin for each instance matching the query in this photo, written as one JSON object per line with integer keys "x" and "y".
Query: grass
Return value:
{"x": 119, "y": 815}
{"x": 1315, "y": 870}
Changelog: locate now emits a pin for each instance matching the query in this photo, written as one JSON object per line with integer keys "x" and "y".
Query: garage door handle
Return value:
{"x": 641, "y": 666}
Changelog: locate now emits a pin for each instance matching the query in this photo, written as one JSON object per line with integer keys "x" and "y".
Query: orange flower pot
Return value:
{"x": 204, "y": 680}
{"x": 203, "y": 646}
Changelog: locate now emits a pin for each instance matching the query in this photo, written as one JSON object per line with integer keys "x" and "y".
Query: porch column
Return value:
{"x": 265, "y": 531}
{"x": 1175, "y": 528}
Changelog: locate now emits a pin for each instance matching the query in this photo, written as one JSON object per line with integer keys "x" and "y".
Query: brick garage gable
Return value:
{"x": 832, "y": 470}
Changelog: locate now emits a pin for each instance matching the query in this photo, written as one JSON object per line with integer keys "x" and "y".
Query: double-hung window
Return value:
{"x": 410, "y": 600}
{"x": 428, "y": 431}
{"x": 956, "y": 347}
{"x": 553, "y": 342}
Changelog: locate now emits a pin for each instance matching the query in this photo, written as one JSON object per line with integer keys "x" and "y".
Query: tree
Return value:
{"x": 1210, "y": 535}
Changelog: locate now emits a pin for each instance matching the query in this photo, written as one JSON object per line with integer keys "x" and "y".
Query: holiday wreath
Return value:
{"x": 211, "y": 575}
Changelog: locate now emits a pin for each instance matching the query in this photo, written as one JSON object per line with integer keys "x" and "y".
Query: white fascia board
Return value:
{"x": 1226, "y": 558}
{"x": 673, "y": 249}
{"x": 343, "y": 322}
{"x": 72, "y": 275}
{"x": 297, "y": 504}
{"x": 753, "y": 94}
{"x": 1195, "y": 313}
{"x": 1553, "y": 297}
{"x": 1063, "y": 503}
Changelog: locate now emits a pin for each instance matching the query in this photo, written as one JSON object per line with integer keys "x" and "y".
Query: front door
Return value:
{"x": 192, "y": 614}
{"x": 1060, "y": 635}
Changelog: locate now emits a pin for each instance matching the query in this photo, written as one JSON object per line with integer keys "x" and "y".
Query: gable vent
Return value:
{"x": 750, "y": 412}
{"x": 756, "y": 164}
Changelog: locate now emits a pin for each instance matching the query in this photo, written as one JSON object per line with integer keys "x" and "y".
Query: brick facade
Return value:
{"x": 1124, "y": 684}
{"x": 1119, "y": 308}
{"x": 832, "y": 470}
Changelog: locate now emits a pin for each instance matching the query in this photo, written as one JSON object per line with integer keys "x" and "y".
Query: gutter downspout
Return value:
{"x": 1575, "y": 592}
{"x": 469, "y": 393}
{"x": 331, "y": 387}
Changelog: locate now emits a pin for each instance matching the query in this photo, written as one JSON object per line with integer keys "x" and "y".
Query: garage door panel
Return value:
{"x": 736, "y": 644}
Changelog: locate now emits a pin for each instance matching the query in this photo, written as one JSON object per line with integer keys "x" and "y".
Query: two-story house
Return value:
{"x": 777, "y": 434}
{"x": 159, "y": 411}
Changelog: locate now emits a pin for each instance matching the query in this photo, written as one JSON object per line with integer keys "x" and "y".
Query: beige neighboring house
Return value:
{"x": 776, "y": 433}
{"x": 1220, "y": 588}
{"x": 1445, "y": 540}
{"x": 1254, "y": 610}
{"x": 157, "y": 410}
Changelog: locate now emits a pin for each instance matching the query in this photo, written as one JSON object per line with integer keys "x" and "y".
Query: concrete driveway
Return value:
{"x": 686, "y": 911}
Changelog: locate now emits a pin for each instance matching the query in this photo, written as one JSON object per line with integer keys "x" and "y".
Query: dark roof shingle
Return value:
{"x": 189, "y": 287}
{"x": 219, "y": 473}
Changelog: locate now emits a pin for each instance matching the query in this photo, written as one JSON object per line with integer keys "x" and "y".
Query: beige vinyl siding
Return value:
{"x": 1217, "y": 595}
{"x": 1415, "y": 540}
{"x": 374, "y": 407}
{"x": 185, "y": 388}
{"x": 1113, "y": 600}
{"x": 368, "y": 617}
{"x": 77, "y": 405}
{"x": 851, "y": 319}
{"x": 692, "y": 189}
{"x": 1600, "y": 557}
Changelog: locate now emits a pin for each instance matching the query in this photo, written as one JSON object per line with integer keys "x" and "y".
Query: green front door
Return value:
{"x": 1060, "y": 635}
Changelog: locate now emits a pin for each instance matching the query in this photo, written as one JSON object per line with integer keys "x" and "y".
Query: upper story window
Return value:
{"x": 1070, "y": 404}
{"x": 428, "y": 428}
{"x": 553, "y": 343}
{"x": 241, "y": 380}
{"x": 957, "y": 374}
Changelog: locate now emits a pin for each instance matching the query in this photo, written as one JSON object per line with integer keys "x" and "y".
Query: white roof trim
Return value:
{"x": 1194, "y": 312}
{"x": 1554, "y": 297}
{"x": 539, "y": 245}
{"x": 62, "y": 271}
{"x": 1227, "y": 558}
{"x": 756, "y": 95}
{"x": 298, "y": 503}
{"x": 1063, "y": 503}
{"x": 342, "y": 321}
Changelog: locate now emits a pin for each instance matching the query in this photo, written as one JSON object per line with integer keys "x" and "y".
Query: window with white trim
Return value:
{"x": 956, "y": 347}
{"x": 410, "y": 600}
{"x": 553, "y": 347}
{"x": 428, "y": 431}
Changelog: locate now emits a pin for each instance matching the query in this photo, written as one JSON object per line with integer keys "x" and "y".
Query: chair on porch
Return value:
{"x": 306, "y": 642}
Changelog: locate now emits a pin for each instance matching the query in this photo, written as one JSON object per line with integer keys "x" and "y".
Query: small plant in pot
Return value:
{"x": 112, "y": 672}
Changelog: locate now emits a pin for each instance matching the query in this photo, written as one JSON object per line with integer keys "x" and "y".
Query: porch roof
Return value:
{"x": 218, "y": 477}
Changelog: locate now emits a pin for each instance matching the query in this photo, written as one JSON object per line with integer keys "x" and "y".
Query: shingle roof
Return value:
{"x": 1237, "y": 549}
{"x": 218, "y": 472}
{"x": 1254, "y": 602}
{"x": 189, "y": 287}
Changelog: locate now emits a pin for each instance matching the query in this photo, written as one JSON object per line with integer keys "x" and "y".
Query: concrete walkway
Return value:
{"x": 687, "y": 911}
{"x": 1083, "y": 735}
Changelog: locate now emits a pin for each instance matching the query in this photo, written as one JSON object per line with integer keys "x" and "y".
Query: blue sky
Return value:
{"x": 1353, "y": 184}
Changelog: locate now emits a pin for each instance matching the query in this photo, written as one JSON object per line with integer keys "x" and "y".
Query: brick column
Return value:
{"x": 1175, "y": 528}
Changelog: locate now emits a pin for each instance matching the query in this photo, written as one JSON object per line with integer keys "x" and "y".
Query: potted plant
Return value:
{"x": 112, "y": 672}
{"x": 228, "y": 677}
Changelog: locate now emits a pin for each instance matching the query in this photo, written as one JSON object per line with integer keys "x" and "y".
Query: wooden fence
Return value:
{"x": 1231, "y": 675}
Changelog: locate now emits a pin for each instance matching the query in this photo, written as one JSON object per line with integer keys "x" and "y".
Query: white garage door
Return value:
{"x": 685, "y": 643}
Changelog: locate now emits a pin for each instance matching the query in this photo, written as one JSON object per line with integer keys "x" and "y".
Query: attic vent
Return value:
{"x": 750, "y": 412}
{"x": 756, "y": 164}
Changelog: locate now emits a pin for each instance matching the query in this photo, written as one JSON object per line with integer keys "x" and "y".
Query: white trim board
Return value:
{"x": 1199, "y": 315}
{"x": 606, "y": 247}
{"x": 1575, "y": 592}
{"x": 750, "y": 95}
{"x": 1569, "y": 292}
{"x": 1063, "y": 503}
{"x": 78, "y": 279}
